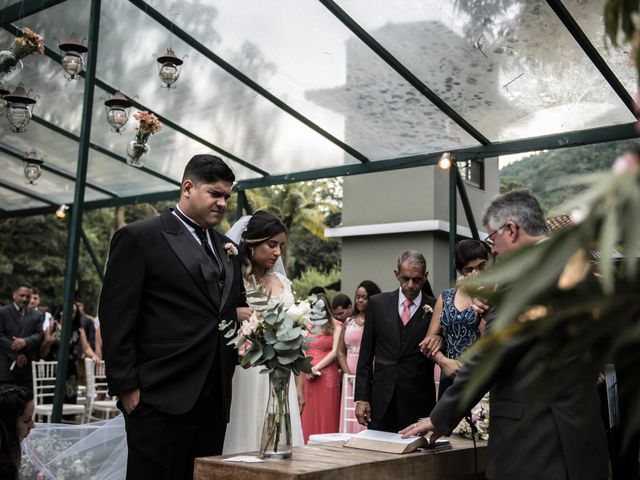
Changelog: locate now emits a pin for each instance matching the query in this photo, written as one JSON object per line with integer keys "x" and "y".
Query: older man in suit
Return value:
{"x": 553, "y": 432}
{"x": 394, "y": 381}
{"x": 169, "y": 282}
{"x": 20, "y": 338}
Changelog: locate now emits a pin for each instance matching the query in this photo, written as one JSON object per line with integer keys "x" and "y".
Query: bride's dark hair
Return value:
{"x": 262, "y": 226}
{"x": 13, "y": 402}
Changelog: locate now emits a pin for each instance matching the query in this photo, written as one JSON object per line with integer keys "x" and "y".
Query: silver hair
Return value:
{"x": 519, "y": 206}
{"x": 413, "y": 257}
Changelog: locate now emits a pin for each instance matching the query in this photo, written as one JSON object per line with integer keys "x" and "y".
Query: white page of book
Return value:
{"x": 379, "y": 436}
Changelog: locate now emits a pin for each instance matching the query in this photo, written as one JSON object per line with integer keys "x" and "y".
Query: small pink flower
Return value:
{"x": 231, "y": 249}
{"x": 244, "y": 348}
{"x": 624, "y": 163}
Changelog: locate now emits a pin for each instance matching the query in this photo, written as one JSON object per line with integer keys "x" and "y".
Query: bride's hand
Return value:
{"x": 243, "y": 313}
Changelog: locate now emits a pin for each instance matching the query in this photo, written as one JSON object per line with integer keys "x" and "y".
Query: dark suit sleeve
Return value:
{"x": 450, "y": 409}
{"x": 364, "y": 371}
{"x": 5, "y": 338}
{"x": 118, "y": 310}
{"x": 35, "y": 339}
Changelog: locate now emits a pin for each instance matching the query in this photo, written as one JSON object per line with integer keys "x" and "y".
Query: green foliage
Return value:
{"x": 34, "y": 249}
{"x": 547, "y": 174}
{"x": 312, "y": 277}
{"x": 548, "y": 301}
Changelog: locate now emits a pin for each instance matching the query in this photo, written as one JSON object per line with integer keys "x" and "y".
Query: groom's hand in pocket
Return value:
{"x": 130, "y": 399}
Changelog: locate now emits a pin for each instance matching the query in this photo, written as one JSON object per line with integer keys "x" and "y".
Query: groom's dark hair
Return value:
{"x": 205, "y": 168}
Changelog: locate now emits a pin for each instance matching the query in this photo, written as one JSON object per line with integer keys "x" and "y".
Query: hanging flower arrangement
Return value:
{"x": 26, "y": 43}
{"x": 138, "y": 148}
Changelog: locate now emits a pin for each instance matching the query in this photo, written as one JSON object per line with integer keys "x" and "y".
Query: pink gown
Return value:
{"x": 322, "y": 394}
{"x": 352, "y": 339}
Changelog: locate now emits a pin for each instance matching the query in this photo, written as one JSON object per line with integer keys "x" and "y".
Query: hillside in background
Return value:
{"x": 547, "y": 174}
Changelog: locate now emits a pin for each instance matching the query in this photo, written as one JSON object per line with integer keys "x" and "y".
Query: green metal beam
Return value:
{"x": 462, "y": 190}
{"x": 56, "y": 57}
{"x": 75, "y": 224}
{"x": 24, "y": 8}
{"x": 57, "y": 171}
{"x": 612, "y": 133}
{"x": 403, "y": 71}
{"x": 453, "y": 221}
{"x": 572, "y": 139}
{"x": 98, "y": 148}
{"x": 193, "y": 43}
{"x": 95, "y": 204}
{"x": 92, "y": 253}
{"x": 26, "y": 193}
{"x": 578, "y": 34}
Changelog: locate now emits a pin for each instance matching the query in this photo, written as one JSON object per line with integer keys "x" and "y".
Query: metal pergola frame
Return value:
{"x": 486, "y": 149}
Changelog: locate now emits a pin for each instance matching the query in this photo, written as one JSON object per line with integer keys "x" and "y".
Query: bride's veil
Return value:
{"x": 235, "y": 234}
{"x": 92, "y": 450}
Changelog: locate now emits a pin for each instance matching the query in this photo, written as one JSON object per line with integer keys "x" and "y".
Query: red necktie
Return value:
{"x": 405, "y": 316}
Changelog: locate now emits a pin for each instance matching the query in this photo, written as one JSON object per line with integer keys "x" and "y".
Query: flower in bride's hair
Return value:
{"x": 245, "y": 347}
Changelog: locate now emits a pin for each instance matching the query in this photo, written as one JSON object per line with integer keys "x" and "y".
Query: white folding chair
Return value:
{"x": 98, "y": 400}
{"x": 44, "y": 385}
{"x": 348, "y": 406}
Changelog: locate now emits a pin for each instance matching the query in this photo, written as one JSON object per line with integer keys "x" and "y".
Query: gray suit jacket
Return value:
{"x": 550, "y": 432}
{"x": 29, "y": 328}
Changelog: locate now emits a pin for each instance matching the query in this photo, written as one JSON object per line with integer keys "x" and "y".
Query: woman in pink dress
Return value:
{"x": 348, "y": 352}
{"x": 322, "y": 386}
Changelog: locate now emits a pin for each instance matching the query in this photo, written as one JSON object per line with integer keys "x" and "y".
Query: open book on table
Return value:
{"x": 392, "y": 442}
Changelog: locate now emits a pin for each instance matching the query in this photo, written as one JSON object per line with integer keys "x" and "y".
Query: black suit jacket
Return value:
{"x": 550, "y": 432}
{"x": 390, "y": 359}
{"x": 160, "y": 308}
{"x": 29, "y": 328}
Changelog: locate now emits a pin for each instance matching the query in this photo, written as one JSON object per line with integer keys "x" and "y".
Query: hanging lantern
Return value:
{"x": 32, "y": 167}
{"x": 73, "y": 60}
{"x": 19, "y": 108}
{"x": 118, "y": 111}
{"x": 3, "y": 102}
{"x": 169, "y": 67}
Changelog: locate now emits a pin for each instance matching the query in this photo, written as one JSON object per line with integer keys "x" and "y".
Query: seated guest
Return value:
{"x": 454, "y": 320}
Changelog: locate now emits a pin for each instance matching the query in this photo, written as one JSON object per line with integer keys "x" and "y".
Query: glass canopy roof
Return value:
{"x": 299, "y": 89}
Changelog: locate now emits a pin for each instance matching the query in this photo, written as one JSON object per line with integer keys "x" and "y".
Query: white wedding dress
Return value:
{"x": 249, "y": 396}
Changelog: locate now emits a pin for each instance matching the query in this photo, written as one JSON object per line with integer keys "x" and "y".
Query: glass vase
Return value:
{"x": 276, "y": 431}
{"x": 136, "y": 153}
{"x": 10, "y": 65}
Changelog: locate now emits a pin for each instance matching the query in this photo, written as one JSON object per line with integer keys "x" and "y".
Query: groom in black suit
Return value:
{"x": 169, "y": 282}
{"x": 394, "y": 381}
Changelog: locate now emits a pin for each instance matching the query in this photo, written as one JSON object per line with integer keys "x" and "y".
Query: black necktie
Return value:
{"x": 204, "y": 241}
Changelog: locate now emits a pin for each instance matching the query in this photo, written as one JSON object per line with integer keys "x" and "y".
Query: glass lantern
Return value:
{"x": 19, "y": 108}
{"x": 118, "y": 111}
{"x": 169, "y": 67}
{"x": 73, "y": 60}
{"x": 32, "y": 167}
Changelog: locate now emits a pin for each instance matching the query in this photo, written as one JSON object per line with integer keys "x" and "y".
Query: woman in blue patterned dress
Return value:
{"x": 453, "y": 318}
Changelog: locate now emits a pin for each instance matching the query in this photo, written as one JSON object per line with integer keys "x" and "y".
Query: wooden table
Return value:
{"x": 332, "y": 461}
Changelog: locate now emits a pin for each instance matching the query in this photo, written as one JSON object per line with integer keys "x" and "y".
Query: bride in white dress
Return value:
{"x": 261, "y": 238}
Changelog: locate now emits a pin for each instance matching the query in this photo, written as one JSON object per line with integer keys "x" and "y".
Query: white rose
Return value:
{"x": 298, "y": 313}
{"x": 246, "y": 328}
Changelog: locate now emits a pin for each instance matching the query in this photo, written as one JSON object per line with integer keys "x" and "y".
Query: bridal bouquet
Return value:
{"x": 480, "y": 420}
{"x": 274, "y": 337}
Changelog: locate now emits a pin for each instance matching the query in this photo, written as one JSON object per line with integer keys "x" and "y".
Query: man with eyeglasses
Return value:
{"x": 554, "y": 432}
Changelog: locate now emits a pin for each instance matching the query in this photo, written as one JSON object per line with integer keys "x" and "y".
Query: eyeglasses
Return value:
{"x": 490, "y": 240}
